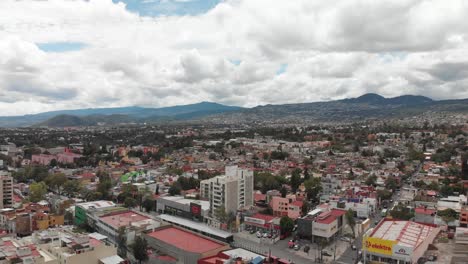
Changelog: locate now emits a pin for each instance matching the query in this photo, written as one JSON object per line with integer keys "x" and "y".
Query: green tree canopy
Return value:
{"x": 286, "y": 225}
{"x": 37, "y": 191}
{"x": 139, "y": 249}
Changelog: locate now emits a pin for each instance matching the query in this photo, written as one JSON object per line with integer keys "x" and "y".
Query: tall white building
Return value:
{"x": 234, "y": 190}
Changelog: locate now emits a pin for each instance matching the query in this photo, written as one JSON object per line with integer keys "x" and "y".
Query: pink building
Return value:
{"x": 287, "y": 206}
{"x": 65, "y": 157}
{"x": 42, "y": 159}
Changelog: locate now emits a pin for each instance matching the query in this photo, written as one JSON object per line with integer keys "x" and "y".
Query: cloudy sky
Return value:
{"x": 66, "y": 54}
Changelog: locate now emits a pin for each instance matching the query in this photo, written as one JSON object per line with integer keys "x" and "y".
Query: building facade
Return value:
{"x": 6, "y": 189}
{"x": 233, "y": 190}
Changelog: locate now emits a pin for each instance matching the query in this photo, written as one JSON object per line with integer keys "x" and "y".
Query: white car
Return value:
{"x": 258, "y": 234}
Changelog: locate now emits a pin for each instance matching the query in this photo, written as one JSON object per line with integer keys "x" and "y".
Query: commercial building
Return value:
{"x": 262, "y": 222}
{"x": 398, "y": 242}
{"x": 233, "y": 190}
{"x": 179, "y": 206}
{"x": 183, "y": 246}
{"x": 328, "y": 224}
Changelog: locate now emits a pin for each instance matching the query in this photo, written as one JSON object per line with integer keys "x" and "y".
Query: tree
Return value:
{"x": 283, "y": 191}
{"x": 464, "y": 166}
{"x": 286, "y": 225}
{"x": 350, "y": 219}
{"x": 313, "y": 188}
{"x": 122, "y": 242}
{"x": 37, "y": 191}
{"x": 305, "y": 207}
{"x": 148, "y": 204}
{"x": 220, "y": 214}
{"x": 72, "y": 187}
{"x": 174, "y": 189}
{"x": 391, "y": 184}
{"x": 56, "y": 181}
{"x": 130, "y": 202}
{"x": 104, "y": 185}
{"x": 401, "y": 212}
{"x": 384, "y": 194}
{"x": 53, "y": 163}
{"x": 139, "y": 249}
{"x": 448, "y": 215}
{"x": 371, "y": 180}
{"x": 295, "y": 179}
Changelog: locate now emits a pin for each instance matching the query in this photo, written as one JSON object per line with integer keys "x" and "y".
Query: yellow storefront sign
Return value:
{"x": 379, "y": 246}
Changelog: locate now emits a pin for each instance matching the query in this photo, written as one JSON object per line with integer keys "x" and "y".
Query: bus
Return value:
{"x": 384, "y": 213}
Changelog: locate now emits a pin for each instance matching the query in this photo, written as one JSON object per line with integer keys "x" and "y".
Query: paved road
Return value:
{"x": 279, "y": 249}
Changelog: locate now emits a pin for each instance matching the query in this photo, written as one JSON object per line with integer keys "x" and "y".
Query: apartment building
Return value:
{"x": 233, "y": 190}
{"x": 6, "y": 191}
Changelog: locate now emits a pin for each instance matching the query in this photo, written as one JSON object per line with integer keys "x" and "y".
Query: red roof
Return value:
{"x": 259, "y": 197}
{"x": 329, "y": 217}
{"x": 185, "y": 240}
{"x": 424, "y": 211}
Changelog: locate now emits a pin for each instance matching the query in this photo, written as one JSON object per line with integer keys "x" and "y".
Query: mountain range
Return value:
{"x": 363, "y": 107}
{"x": 117, "y": 115}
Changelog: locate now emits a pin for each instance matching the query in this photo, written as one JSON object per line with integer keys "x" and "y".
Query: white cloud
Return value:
{"x": 332, "y": 49}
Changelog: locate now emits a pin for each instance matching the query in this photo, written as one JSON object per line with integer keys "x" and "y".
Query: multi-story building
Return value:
{"x": 6, "y": 191}
{"x": 233, "y": 190}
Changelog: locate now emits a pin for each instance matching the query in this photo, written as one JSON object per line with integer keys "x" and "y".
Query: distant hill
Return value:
{"x": 352, "y": 109}
{"x": 92, "y": 116}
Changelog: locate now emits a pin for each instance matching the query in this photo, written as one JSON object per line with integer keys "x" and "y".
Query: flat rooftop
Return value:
{"x": 406, "y": 233}
{"x": 189, "y": 224}
{"x": 180, "y": 199}
{"x": 185, "y": 240}
{"x": 123, "y": 219}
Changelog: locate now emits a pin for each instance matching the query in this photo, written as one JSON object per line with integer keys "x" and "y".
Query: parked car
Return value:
{"x": 270, "y": 235}
{"x": 353, "y": 247}
{"x": 291, "y": 243}
{"x": 265, "y": 235}
{"x": 252, "y": 231}
{"x": 325, "y": 253}
{"x": 297, "y": 247}
{"x": 258, "y": 234}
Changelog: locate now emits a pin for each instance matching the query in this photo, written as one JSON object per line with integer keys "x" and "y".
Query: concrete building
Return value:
{"x": 287, "y": 206}
{"x": 328, "y": 224}
{"x": 182, "y": 207}
{"x": 398, "y": 242}
{"x": 233, "y": 190}
{"x": 6, "y": 191}
{"x": 133, "y": 223}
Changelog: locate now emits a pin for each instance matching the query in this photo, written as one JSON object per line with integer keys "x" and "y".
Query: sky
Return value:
{"x": 69, "y": 54}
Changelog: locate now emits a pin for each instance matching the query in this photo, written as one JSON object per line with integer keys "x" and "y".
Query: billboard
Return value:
{"x": 195, "y": 209}
{"x": 379, "y": 246}
{"x": 254, "y": 220}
